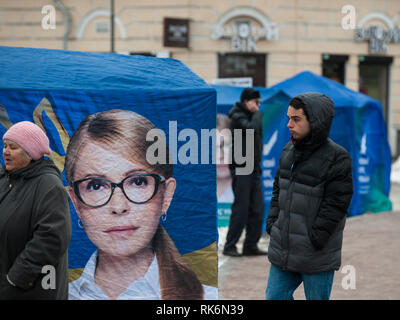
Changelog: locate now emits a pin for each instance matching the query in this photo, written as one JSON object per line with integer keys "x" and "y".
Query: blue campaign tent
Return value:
{"x": 57, "y": 89}
{"x": 358, "y": 126}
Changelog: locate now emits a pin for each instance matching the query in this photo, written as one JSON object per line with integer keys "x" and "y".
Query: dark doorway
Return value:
{"x": 333, "y": 67}
{"x": 374, "y": 79}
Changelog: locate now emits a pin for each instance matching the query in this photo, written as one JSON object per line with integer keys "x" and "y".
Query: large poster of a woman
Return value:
{"x": 120, "y": 199}
{"x": 139, "y": 230}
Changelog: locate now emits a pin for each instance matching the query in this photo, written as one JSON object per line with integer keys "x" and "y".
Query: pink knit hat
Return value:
{"x": 30, "y": 137}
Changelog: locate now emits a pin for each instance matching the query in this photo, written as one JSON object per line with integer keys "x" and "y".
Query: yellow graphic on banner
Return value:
{"x": 4, "y": 118}
{"x": 43, "y": 106}
{"x": 204, "y": 263}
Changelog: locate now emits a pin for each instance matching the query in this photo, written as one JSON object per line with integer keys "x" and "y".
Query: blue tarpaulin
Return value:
{"x": 58, "y": 89}
{"x": 358, "y": 126}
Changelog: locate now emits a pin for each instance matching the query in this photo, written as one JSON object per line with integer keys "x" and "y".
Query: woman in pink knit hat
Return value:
{"x": 35, "y": 226}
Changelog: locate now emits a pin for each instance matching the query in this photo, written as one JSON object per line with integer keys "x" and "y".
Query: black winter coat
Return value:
{"x": 241, "y": 118}
{"x": 35, "y": 230}
{"x": 312, "y": 191}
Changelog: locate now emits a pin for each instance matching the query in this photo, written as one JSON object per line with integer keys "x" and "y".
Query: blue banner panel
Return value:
{"x": 58, "y": 90}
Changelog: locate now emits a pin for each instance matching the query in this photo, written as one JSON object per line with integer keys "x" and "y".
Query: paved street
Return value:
{"x": 371, "y": 247}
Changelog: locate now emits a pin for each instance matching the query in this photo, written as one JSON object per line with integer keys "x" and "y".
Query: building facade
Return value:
{"x": 248, "y": 42}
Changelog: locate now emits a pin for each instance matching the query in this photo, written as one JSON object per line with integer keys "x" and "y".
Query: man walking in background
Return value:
{"x": 248, "y": 205}
{"x": 312, "y": 191}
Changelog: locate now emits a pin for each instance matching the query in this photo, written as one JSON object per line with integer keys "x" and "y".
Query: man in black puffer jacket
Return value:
{"x": 248, "y": 205}
{"x": 312, "y": 191}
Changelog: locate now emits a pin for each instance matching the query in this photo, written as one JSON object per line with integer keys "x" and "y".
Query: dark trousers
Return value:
{"x": 247, "y": 211}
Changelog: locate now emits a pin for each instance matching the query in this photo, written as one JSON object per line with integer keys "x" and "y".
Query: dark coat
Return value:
{"x": 312, "y": 191}
{"x": 241, "y": 118}
{"x": 35, "y": 230}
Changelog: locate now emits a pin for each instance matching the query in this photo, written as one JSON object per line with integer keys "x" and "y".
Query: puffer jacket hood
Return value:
{"x": 320, "y": 111}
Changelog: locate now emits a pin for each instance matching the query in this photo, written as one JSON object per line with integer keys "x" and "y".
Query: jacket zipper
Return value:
{"x": 288, "y": 223}
{"x": 8, "y": 180}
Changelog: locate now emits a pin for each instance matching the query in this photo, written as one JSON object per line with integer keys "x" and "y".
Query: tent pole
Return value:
{"x": 112, "y": 25}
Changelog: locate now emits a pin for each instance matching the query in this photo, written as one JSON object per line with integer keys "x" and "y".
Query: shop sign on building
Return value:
{"x": 377, "y": 35}
{"x": 176, "y": 32}
{"x": 244, "y": 26}
{"x": 235, "y": 82}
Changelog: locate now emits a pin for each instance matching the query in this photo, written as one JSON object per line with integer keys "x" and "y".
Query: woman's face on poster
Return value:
{"x": 119, "y": 227}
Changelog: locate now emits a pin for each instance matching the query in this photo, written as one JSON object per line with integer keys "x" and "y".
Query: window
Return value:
{"x": 374, "y": 79}
{"x": 333, "y": 67}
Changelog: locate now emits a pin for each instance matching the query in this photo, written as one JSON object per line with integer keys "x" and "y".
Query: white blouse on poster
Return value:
{"x": 146, "y": 288}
